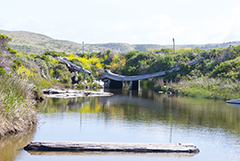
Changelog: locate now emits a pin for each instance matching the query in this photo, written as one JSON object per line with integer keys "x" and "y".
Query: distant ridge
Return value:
{"x": 144, "y": 47}
{"x": 30, "y": 42}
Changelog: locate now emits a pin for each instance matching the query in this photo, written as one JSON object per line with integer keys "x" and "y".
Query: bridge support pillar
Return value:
{"x": 123, "y": 84}
{"x": 130, "y": 88}
{"x": 107, "y": 83}
{"x": 139, "y": 85}
{"x": 155, "y": 82}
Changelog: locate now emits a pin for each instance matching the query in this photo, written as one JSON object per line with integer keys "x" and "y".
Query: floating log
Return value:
{"x": 113, "y": 147}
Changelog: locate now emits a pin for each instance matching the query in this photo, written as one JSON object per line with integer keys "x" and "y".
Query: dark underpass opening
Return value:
{"x": 119, "y": 85}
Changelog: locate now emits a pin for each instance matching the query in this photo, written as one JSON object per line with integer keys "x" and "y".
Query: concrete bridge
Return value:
{"x": 113, "y": 80}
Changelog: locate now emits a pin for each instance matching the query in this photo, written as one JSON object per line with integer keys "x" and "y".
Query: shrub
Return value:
{"x": 55, "y": 53}
{"x": 5, "y": 37}
{"x": 2, "y": 71}
{"x": 11, "y": 50}
{"x": 15, "y": 66}
{"x": 18, "y": 62}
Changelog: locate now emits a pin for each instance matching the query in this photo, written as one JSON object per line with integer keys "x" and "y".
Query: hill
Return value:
{"x": 29, "y": 42}
{"x": 144, "y": 47}
{"x": 130, "y": 47}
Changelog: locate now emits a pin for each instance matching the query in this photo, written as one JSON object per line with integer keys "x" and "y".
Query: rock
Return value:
{"x": 168, "y": 93}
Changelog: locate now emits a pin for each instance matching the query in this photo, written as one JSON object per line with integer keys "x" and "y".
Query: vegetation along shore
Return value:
{"x": 23, "y": 76}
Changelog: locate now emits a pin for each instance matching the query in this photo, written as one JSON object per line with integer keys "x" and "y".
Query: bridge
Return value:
{"x": 113, "y": 80}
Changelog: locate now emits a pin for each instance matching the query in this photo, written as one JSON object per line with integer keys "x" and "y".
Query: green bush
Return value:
{"x": 15, "y": 66}
{"x": 2, "y": 71}
{"x": 228, "y": 69}
{"x": 55, "y": 53}
{"x": 18, "y": 62}
{"x": 5, "y": 37}
{"x": 11, "y": 50}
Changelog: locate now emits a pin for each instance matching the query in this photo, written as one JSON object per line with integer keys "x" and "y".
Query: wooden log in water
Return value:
{"x": 113, "y": 147}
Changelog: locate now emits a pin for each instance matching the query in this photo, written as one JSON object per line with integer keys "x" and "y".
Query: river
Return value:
{"x": 132, "y": 116}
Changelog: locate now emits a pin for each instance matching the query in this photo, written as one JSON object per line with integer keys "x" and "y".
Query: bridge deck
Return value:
{"x": 117, "y": 77}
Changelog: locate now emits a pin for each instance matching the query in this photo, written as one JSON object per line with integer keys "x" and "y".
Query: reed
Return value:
{"x": 17, "y": 111}
{"x": 212, "y": 88}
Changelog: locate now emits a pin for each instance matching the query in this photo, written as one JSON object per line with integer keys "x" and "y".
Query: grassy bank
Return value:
{"x": 211, "y": 88}
{"x": 17, "y": 111}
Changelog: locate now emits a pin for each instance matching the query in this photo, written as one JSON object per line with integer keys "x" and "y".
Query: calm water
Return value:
{"x": 131, "y": 116}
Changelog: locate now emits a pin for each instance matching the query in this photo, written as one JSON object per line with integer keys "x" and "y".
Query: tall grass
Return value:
{"x": 205, "y": 87}
{"x": 17, "y": 111}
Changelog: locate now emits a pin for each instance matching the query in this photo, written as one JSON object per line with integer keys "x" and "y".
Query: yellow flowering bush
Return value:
{"x": 54, "y": 61}
{"x": 86, "y": 63}
{"x": 26, "y": 71}
{"x": 19, "y": 54}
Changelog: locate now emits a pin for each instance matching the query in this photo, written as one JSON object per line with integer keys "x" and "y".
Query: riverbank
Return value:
{"x": 204, "y": 87}
{"x": 224, "y": 94}
{"x": 17, "y": 112}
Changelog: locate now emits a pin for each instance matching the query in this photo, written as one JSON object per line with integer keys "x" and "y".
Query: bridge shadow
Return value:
{"x": 119, "y": 85}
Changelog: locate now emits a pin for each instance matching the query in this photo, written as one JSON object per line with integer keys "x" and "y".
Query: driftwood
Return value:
{"x": 113, "y": 147}
{"x": 57, "y": 93}
{"x": 73, "y": 67}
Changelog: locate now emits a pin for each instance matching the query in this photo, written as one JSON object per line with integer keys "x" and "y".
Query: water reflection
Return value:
{"x": 149, "y": 107}
{"x": 133, "y": 116}
{"x": 182, "y": 155}
{"x": 11, "y": 145}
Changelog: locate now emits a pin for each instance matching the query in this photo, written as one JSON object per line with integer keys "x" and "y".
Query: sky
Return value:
{"x": 126, "y": 21}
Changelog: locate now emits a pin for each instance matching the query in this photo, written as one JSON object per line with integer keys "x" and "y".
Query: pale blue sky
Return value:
{"x": 126, "y": 21}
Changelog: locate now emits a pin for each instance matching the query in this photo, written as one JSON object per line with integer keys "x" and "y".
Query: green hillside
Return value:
{"x": 29, "y": 42}
{"x": 116, "y": 46}
{"x": 130, "y": 47}
{"x": 144, "y": 47}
